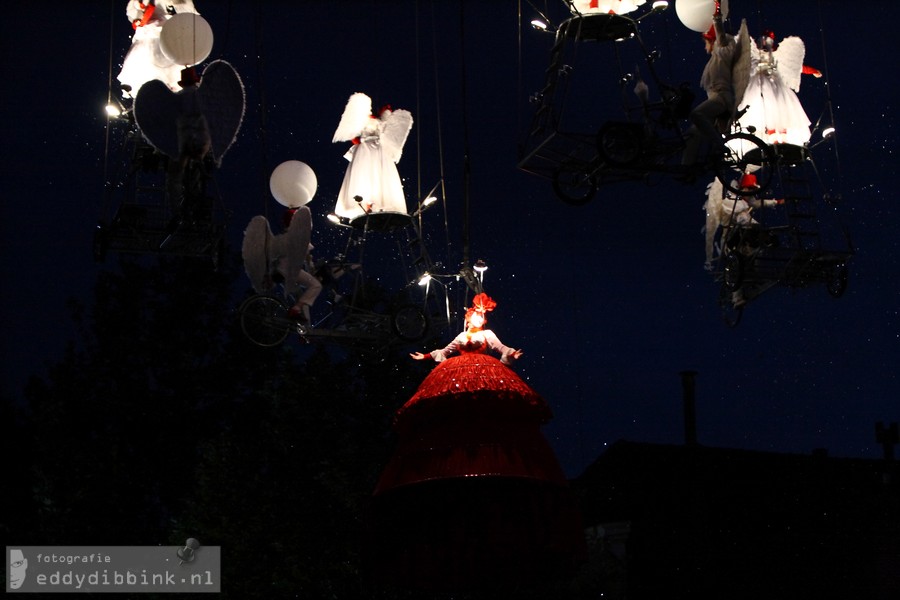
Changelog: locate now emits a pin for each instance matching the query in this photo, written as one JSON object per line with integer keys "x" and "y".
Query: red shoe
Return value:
{"x": 296, "y": 313}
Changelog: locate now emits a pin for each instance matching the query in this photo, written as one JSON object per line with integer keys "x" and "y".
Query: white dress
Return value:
{"x": 773, "y": 107}
{"x": 617, "y": 7}
{"x": 145, "y": 60}
{"x": 372, "y": 173}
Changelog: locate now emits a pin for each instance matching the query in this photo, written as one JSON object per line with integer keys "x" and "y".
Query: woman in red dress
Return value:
{"x": 473, "y": 496}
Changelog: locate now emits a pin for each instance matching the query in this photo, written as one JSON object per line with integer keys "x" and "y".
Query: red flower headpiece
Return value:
{"x": 767, "y": 40}
{"x": 482, "y": 303}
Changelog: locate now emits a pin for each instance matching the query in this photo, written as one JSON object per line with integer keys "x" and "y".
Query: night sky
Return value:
{"x": 609, "y": 301}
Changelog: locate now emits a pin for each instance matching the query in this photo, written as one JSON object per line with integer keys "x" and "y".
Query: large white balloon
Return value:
{"x": 695, "y": 14}
{"x": 186, "y": 39}
{"x": 293, "y": 183}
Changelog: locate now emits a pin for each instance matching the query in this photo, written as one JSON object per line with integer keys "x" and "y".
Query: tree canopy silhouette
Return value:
{"x": 162, "y": 422}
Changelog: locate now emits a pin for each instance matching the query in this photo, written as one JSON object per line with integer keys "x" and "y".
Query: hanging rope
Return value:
{"x": 440, "y": 136}
{"x": 828, "y": 103}
{"x": 263, "y": 115}
{"x": 107, "y": 188}
{"x": 465, "y": 127}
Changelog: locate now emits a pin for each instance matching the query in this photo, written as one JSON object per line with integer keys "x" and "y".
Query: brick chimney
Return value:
{"x": 690, "y": 408}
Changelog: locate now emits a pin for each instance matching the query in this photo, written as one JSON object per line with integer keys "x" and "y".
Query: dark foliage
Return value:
{"x": 162, "y": 423}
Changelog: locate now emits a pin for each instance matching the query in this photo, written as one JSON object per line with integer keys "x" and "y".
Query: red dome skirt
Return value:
{"x": 473, "y": 497}
{"x": 472, "y": 416}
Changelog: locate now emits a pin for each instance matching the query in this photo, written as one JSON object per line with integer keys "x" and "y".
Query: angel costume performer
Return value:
{"x": 287, "y": 254}
{"x": 725, "y": 210}
{"x": 771, "y": 100}
{"x": 377, "y": 145}
{"x": 145, "y": 60}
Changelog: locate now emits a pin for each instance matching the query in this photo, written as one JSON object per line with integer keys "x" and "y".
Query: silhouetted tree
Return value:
{"x": 163, "y": 422}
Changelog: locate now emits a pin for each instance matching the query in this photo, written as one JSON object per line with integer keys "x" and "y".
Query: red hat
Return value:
{"x": 288, "y": 216}
{"x": 767, "y": 39}
{"x": 749, "y": 181}
{"x": 710, "y": 33}
{"x": 482, "y": 303}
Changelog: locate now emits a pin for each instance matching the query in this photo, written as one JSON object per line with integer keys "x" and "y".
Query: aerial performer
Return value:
{"x": 771, "y": 102}
{"x": 287, "y": 257}
{"x": 199, "y": 123}
{"x": 371, "y": 183}
{"x": 475, "y": 339}
{"x": 145, "y": 60}
{"x": 611, "y": 7}
{"x": 473, "y": 495}
{"x": 283, "y": 258}
{"x": 724, "y": 210}
{"x": 712, "y": 117}
{"x": 734, "y": 214}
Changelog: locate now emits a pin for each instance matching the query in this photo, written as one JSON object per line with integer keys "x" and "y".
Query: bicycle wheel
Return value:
{"x": 731, "y": 314}
{"x": 745, "y": 153}
{"x": 263, "y": 320}
{"x": 573, "y": 185}
{"x": 733, "y": 271}
{"x": 410, "y": 323}
{"x": 620, "y": 144}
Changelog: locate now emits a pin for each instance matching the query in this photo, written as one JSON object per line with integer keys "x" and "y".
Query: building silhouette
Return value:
{"x": 670, "y": 521}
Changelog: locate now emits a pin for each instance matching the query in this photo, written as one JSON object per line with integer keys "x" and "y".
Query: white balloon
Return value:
{"x": 695, "y": 14}
{"x": 293, "y": 183}
{"x": 186, "y": 39}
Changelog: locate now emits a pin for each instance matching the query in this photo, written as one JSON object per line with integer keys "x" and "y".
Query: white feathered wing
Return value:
{"x": 292, "y": 246}
{"x": 789, "y": 57}
{"x": 743, "y": 63}
{"x": 356, "y": 113}
{"x": 256, "y": 252}
{"x": 396, "y": 129}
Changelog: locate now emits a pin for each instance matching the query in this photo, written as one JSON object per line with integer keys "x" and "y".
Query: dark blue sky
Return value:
{"x": 609, "y": 301}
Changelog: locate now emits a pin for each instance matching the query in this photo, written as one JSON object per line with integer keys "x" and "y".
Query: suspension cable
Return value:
{"x": 260, "y": 75}
{"x": 109, "y": 85}
{"x": 465, "y": 127}
{"x": 828, "y": 103}
{"x": 440, "y": 135}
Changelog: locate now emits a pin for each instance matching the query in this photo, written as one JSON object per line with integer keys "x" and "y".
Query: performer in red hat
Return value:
{"x": 770, "y": 104}
{"x": 710, "y": 118}
{"x": 473, "y": 497}
{"x": 475, "y": 338}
